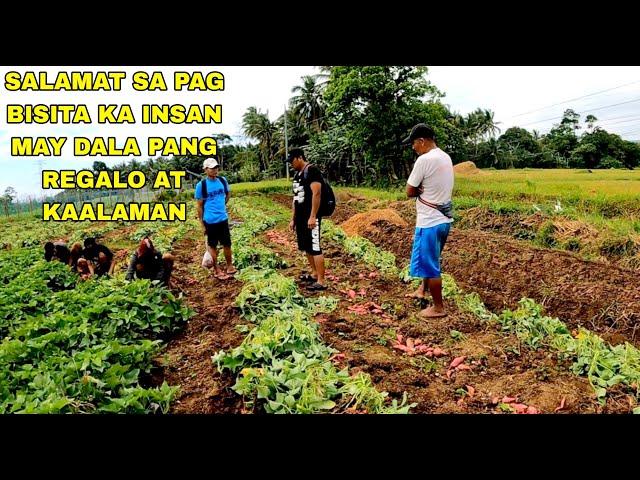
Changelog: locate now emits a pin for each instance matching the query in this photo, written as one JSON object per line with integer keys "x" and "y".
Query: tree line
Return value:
{"x": 351, "y": 121}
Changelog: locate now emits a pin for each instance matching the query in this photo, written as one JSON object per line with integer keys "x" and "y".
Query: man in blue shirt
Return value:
{"x": 212, "y": 212}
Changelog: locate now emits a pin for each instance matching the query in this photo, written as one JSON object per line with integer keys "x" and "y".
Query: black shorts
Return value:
{"x": 218, "y": 233}
{"x": 308, "y": 239}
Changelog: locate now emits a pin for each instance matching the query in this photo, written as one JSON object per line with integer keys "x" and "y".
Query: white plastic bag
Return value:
{"x": 207, "y": 261}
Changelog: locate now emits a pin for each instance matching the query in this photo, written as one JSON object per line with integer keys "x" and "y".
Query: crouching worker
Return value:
{"x": 100, "y": 256}
{"x": 76, "y": 254}
{"x": 84, "y": 268}
{"x": 147, "y": 262}
{"x": 56, "y": 251}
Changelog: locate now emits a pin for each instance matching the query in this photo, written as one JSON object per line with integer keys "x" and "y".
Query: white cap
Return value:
{"x": 210, "y": 163}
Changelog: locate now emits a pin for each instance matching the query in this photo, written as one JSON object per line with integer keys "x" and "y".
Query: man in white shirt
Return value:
{"x": 431, "y": 184}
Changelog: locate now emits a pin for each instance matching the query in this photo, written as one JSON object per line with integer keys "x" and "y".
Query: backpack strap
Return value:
{"x": 305, "y": 171}
{"x": 203, "y": 191}
{"x": 225, "y": 184}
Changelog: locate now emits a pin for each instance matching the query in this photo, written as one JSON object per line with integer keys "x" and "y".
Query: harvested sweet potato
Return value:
{"x": 561, "y": 407}
{"x": 438, "y": 352}
{"x": 519, "y": 407}
{"x": 457, "y": 361}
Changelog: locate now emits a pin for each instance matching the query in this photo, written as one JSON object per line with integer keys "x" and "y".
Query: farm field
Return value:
{"x": 541, "y": 288}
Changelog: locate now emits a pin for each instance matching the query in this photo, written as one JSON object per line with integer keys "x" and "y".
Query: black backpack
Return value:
{"x": 327, "y": 197}
{"x": 204, "y": 191}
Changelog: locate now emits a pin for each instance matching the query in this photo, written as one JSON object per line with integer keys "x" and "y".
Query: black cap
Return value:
{"x": 293, "y": 153}
{"x": 421, "y": 130}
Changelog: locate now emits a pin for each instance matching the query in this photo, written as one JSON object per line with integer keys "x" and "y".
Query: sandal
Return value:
{"x": 316, "y": 287}
{"x": 306, "y": 277}
{"x": 221, "y": 276}
{"x": 233, "y": 272}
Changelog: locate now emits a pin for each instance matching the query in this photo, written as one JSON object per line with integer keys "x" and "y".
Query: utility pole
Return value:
{"x": 286, "y": 141}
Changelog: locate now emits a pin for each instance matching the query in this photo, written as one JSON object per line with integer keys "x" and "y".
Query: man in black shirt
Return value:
{"x": 56, "y": 251}
{"x": 100, "y": 255}
{"x": 307, "y": 191}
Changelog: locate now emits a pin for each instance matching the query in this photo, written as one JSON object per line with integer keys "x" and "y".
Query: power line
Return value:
{"x": 618, "y": 122}
{"x": 621, "y": 127}
{"x": 585, "y": 111}
{"x": 616, "y": 118}
{"x": 574, "y": 99}
{"x": 622, "y": 116}
{"x": 629, "y": 132}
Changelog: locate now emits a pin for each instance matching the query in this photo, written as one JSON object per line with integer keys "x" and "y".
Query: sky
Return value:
{"x": 531, "y": 97}
{"x": 523, "y": 96}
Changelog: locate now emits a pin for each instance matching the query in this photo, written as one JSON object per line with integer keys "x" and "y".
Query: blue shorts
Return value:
{"x": 427, "y": 247}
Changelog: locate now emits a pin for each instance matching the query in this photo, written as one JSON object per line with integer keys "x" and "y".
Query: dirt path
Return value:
{"x": 187, "y": 359}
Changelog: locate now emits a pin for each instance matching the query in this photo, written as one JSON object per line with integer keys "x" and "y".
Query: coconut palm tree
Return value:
{"x": 308, "y": 104}
{"x": 257, "y": 125}
{"x": 489, "y": 125}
